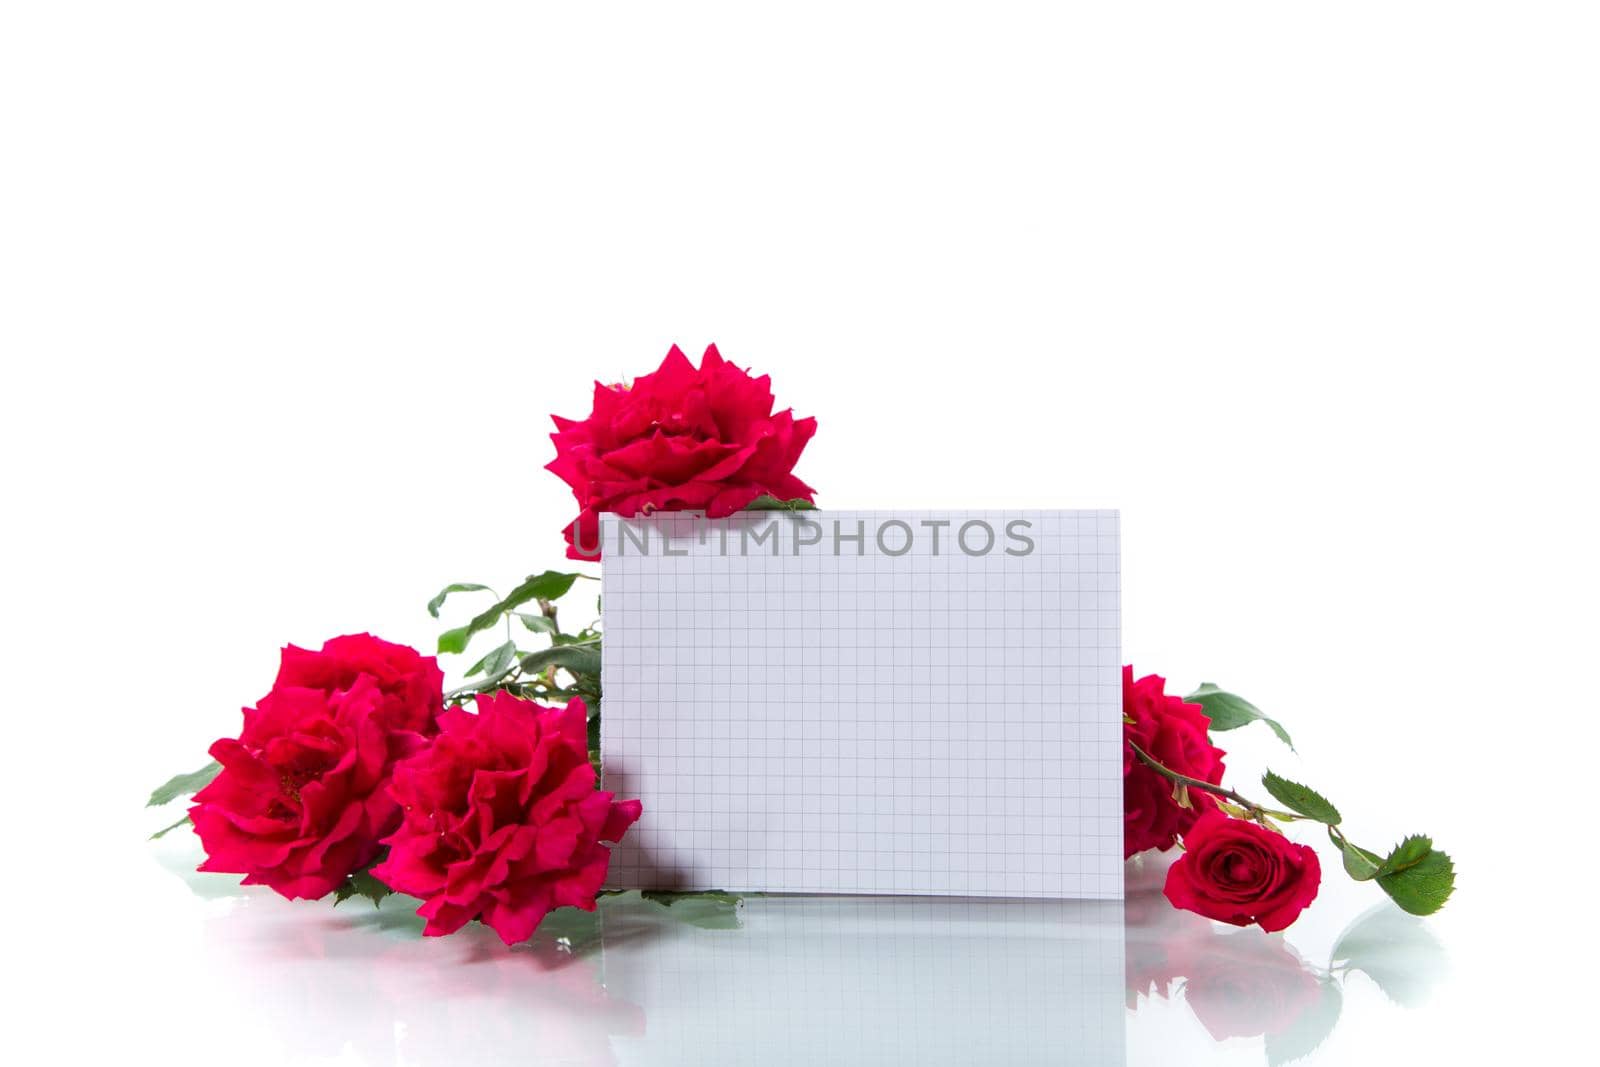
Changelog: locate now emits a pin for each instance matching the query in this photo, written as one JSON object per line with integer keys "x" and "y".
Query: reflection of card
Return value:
{"x": 873, "y": 980}
{"x": 866, "y": 701}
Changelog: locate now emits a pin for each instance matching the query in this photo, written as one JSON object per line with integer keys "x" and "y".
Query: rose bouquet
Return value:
{"x": 359, "y": 774}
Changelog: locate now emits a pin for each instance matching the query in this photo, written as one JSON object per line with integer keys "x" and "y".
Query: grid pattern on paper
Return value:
{"x": 929, "y": 722}
{"x": 842, "y": 980}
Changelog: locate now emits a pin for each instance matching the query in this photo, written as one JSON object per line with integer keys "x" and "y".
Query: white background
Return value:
{"x": 287, "y": 292}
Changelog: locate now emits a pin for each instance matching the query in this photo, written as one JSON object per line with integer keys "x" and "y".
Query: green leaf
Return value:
{"x": 582, "y": 661}
{"x": 1358, "y": 862}
{"x": 539, "y": 624}
{"x": 361, "y": 884}
{"x": 579, "y": 659}
{"x": 455, "y": 640}
{"x": 1229, "y": 711}
{"x": 458, "y": 587}
{"x": 551, "y": 585}
{"x": 478, "y": 666}
{"x": 1408, "y": 853}
{"x": 1300, "y": 799}
{"x": 766, "y": 502}
{"x": 1424, "y": 886}
{"x": 539, "y": 691}
{"x": 159, "y": 834}
{"x": 181, "y": 785}
{"x": 547, "y": 586}
{"x": 496, "y": 662}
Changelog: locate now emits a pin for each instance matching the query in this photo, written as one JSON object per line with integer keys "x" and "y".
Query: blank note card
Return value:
{"x": 866, "y": 701}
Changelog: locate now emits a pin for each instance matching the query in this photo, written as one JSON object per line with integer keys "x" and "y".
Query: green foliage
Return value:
{"x": 164, "y": 831}
{"x": 579, "y": 659}
{"x": 1408, "y": 853}
{"x": 1301, "y": 799}
{"x": 458, "y": 587}
{"x": 539, "y": 624}
{"x": 1423, "y": 885}
{"x": 550, "y": 585}
{"x": 1231, "y": 808}
{"x": 497, "y": 662}
{"x": 181, "y": 785}
{"x": 1417, "y": 876}
{"x": 361, "y": 884}
{"x": 569, "y": 668}
{"x": 1358, "y": 862}
{"x": 766, "y": 502}
{"x": 455, "y": 641}
{"x": 1229, "y": 711}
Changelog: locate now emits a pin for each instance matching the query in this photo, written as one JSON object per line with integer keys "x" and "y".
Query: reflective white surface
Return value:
{"x": 777, "y": 980}
{"x": 817, "y": 980}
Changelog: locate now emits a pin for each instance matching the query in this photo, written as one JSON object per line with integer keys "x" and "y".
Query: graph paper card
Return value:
{"x": 924, "y": 703}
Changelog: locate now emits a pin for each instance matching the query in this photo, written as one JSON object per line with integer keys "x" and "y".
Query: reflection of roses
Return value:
{"x": 302, "y": 798}
{"x": 1173, "y": 733}
{"x": 1159, "y": 939}
{"x": 678, "y": 439}
{"x": 468, "y": 1001}
{"x": 502, "y": 819}
{"x": 1242, "y": 873}
{"x": 1238, "y": 983}
{"x": 1155, "y": 959}
{"x": 1245, "y": 984}
{"x": 492, "y": 1004}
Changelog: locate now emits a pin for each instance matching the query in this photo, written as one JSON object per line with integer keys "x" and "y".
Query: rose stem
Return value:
{"x": 1256, "y": 810}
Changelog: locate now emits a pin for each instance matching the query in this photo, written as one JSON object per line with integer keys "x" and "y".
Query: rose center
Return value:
{"x": 291, "y": 781}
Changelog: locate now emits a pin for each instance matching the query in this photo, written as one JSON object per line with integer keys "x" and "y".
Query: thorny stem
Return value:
{"x": 1257, "y": 812}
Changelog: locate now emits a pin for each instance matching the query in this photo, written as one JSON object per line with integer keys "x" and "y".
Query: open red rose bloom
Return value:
{"x": 502, "y": 818}
{"x": 1242, "y": 873}
{"x": 678, "y": 439}
{"x": 303, "y": 798}
{"x": 1174, "y": 734}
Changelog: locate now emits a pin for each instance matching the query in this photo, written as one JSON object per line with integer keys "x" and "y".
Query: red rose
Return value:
{"x": 502, "y": 819}
{"x": 412, "y": 684}
{"x": 1174, "y": 734}
{"x": 679, "y": 439}
{"x": 1242, "y": 873}
{"x": 302, "y": 799}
